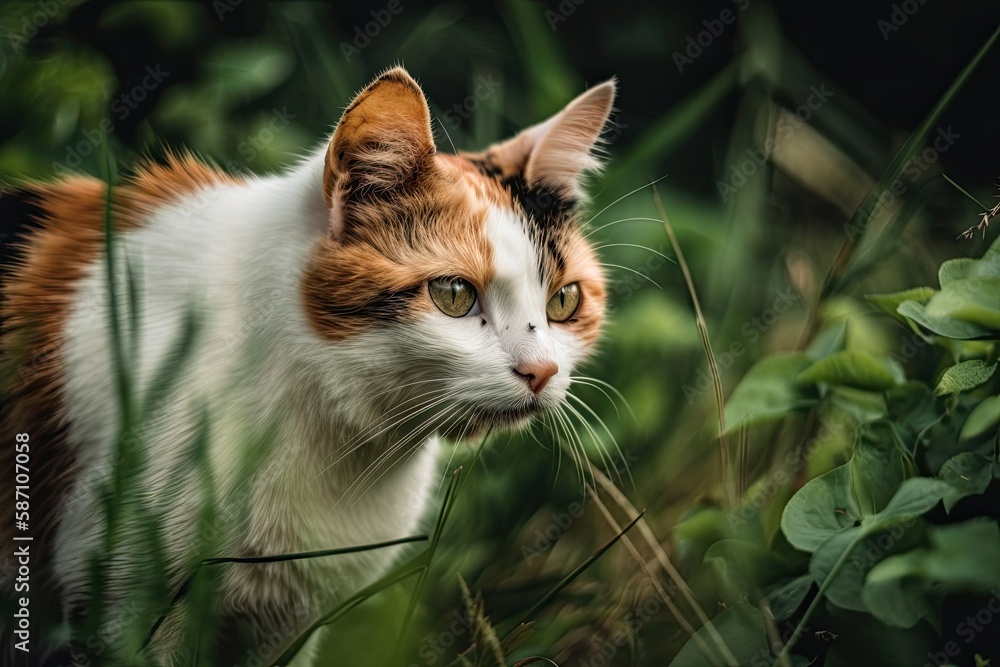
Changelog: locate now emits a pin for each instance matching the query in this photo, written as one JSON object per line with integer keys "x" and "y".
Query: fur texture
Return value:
{"x": 314, "y": 326}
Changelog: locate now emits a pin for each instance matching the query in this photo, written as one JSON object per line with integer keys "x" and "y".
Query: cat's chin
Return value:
{"x": 498, "y": 420}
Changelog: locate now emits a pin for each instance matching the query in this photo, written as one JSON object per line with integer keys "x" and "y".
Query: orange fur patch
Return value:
{"x": 36, "y": 303}
{"x": 376, "y": 270}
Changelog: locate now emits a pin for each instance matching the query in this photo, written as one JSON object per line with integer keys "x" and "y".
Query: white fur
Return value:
{"x": 234, "y": 254}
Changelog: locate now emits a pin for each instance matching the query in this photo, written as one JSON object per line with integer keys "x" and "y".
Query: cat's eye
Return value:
{"x": 564, "y": 303}
{"x": 455, "y": 297}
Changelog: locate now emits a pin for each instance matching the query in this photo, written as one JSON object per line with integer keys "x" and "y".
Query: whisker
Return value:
{"x": 598, "y": 388}
{"x": 635, "y": 245}
{"x": 609, "y": 386}
{"x": 614, "y": 441}
{"x": 387, "y": 455}
{"x": 638, "y": 273}
{"x": 618, "y": 222}
{"x": 628, "y": 194}
{"x": 601, "y": 449}
{"x": 407, "y": 454}
{"x": 390, "y": 416}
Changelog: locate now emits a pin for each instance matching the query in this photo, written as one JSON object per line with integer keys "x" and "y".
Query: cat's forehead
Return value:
{"x": 530, "y": 229}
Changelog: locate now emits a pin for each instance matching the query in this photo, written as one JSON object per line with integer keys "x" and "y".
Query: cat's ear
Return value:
{"x": 556, "y": 152}
{"x": 382, "y": 142}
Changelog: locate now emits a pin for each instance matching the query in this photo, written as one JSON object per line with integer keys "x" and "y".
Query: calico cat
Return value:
{"x": 376, "y": 297}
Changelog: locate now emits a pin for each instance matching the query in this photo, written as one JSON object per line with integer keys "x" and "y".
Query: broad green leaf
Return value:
{"x": 947, "y": 327}
{"x": 890, "y": 302}
{"x": 961, "y": 557}
{"x": 851, "y": 368}
{"x": 823, "y": 507}
{"x": 915, "y": 496}
{"x": 787, "y": 598}
{"x": 967, "y": 474}
{"x": 839, "y": 565}
{"x": 742, "y": 563}
{"x": 741, "y": 626}
{"x": 972, "y": 300}
{"x": 845, "y": 579}
{"x": 964, "y": 376}
{"x": 986, "y": 416}
{"x": 896, "y": 601}
{"x": 965, "y": 267}
{"x": 877, "y": 466}
{"x": 942, "y": 440}
{"x": 828, "y": 341}
{"x": 768, "y": 391}
{"x": 911, "y": 407}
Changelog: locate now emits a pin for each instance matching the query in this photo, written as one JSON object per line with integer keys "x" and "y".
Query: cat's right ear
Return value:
{"x": 382, "y": 143}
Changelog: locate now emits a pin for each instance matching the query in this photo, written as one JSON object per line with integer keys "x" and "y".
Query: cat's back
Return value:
{"x": 181, "y": 252}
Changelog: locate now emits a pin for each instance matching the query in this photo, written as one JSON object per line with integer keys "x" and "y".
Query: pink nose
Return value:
{"x": 537, "y": 373}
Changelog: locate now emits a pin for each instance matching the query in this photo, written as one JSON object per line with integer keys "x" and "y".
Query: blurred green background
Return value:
{"x": 769, "y": 129}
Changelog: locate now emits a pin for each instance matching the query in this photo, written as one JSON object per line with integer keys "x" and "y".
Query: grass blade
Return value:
{"x": 568, "y": 579}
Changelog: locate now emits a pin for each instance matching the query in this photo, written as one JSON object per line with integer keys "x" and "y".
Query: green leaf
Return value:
{"x": 828, "y": 341}
{"x": 839, "y": 565}
{"x": 964, "y": 268}
{"x": 768, "y": 391}
{"x": 985, "y": 417}
{"x": 947, "y": 327}
{"x": 742, "y": 627}
{"x": 851, "y": 368}
{"x": 891, "y": 302}
{"x": 967, "y": 474}
{"x": 964, "y": 376}
{"x": 897, "y": 601}
{"x": 912, "y": 408}
{"x": 915, "y": 496}
{"x": 843, "y": 582}
{"x": 877, "y": 466}
{"x": 956, "y": 269}
{"x": 972, "y": 300}
{"x": 788, "y": 597}
{"x": 823, "y": 507}
{"x": 743, "y": 564}
{"x": 961, "y": 557}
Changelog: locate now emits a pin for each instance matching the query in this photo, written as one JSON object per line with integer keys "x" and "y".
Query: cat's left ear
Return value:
{"x": 557, "y": 152}
{"x": 382, "y": 142}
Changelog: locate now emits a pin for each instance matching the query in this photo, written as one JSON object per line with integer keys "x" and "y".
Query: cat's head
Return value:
{"x": 459, "y": 289}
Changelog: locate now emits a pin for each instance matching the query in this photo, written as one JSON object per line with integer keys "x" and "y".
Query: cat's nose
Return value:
{"x": 536, "y": 373}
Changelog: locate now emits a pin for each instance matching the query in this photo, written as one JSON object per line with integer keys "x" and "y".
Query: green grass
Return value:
{"x": 712, "y": 444}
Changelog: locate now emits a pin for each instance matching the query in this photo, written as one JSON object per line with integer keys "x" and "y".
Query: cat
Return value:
{"x": 376, "y": 297}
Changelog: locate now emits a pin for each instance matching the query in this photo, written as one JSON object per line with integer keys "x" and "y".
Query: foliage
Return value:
{"x": 843, "y": 507}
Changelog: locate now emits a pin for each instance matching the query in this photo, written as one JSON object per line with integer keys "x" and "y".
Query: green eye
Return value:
{"x": 455, "y": 297}
{"x": 564, "y": 303}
